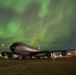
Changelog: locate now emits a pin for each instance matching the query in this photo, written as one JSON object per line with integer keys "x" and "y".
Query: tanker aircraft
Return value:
{"x": 25, "y": 50}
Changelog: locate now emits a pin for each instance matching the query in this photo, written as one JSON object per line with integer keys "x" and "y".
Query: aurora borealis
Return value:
{"x": 53, "y": 22}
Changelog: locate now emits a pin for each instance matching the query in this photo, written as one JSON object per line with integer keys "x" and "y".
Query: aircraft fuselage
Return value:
{"x": 22, "y": 49}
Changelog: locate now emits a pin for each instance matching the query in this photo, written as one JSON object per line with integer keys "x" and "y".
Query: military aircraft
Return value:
{"x": 25, "y": 50}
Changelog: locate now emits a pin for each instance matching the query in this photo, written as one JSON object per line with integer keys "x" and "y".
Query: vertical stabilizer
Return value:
{"x": 38, "y": 45}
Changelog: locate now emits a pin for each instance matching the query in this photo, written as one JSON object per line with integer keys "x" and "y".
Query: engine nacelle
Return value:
{"x": 48, "y": 54}
{"x": 64, "y": 53}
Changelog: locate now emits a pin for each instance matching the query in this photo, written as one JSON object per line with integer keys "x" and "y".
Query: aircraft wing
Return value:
{"x": 48, "y": 53}
{"x": 51, "y": 51}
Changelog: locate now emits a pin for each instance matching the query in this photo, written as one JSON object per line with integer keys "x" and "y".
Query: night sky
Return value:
{"x": 52, "y": 22}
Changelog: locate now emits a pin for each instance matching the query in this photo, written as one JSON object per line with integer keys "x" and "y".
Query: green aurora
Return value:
{"x": 53, "y": 22}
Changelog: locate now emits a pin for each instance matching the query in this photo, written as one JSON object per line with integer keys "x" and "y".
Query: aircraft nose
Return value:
{"x": 14, "y": 45}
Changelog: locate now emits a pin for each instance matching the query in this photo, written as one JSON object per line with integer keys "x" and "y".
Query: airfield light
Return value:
{"x": 2, "y": 46}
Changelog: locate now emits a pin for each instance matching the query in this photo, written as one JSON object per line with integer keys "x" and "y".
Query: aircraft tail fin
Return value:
{"x": 38, "y": 45}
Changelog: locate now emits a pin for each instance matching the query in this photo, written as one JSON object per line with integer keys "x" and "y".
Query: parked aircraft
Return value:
{"x": 23, "y": 49}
